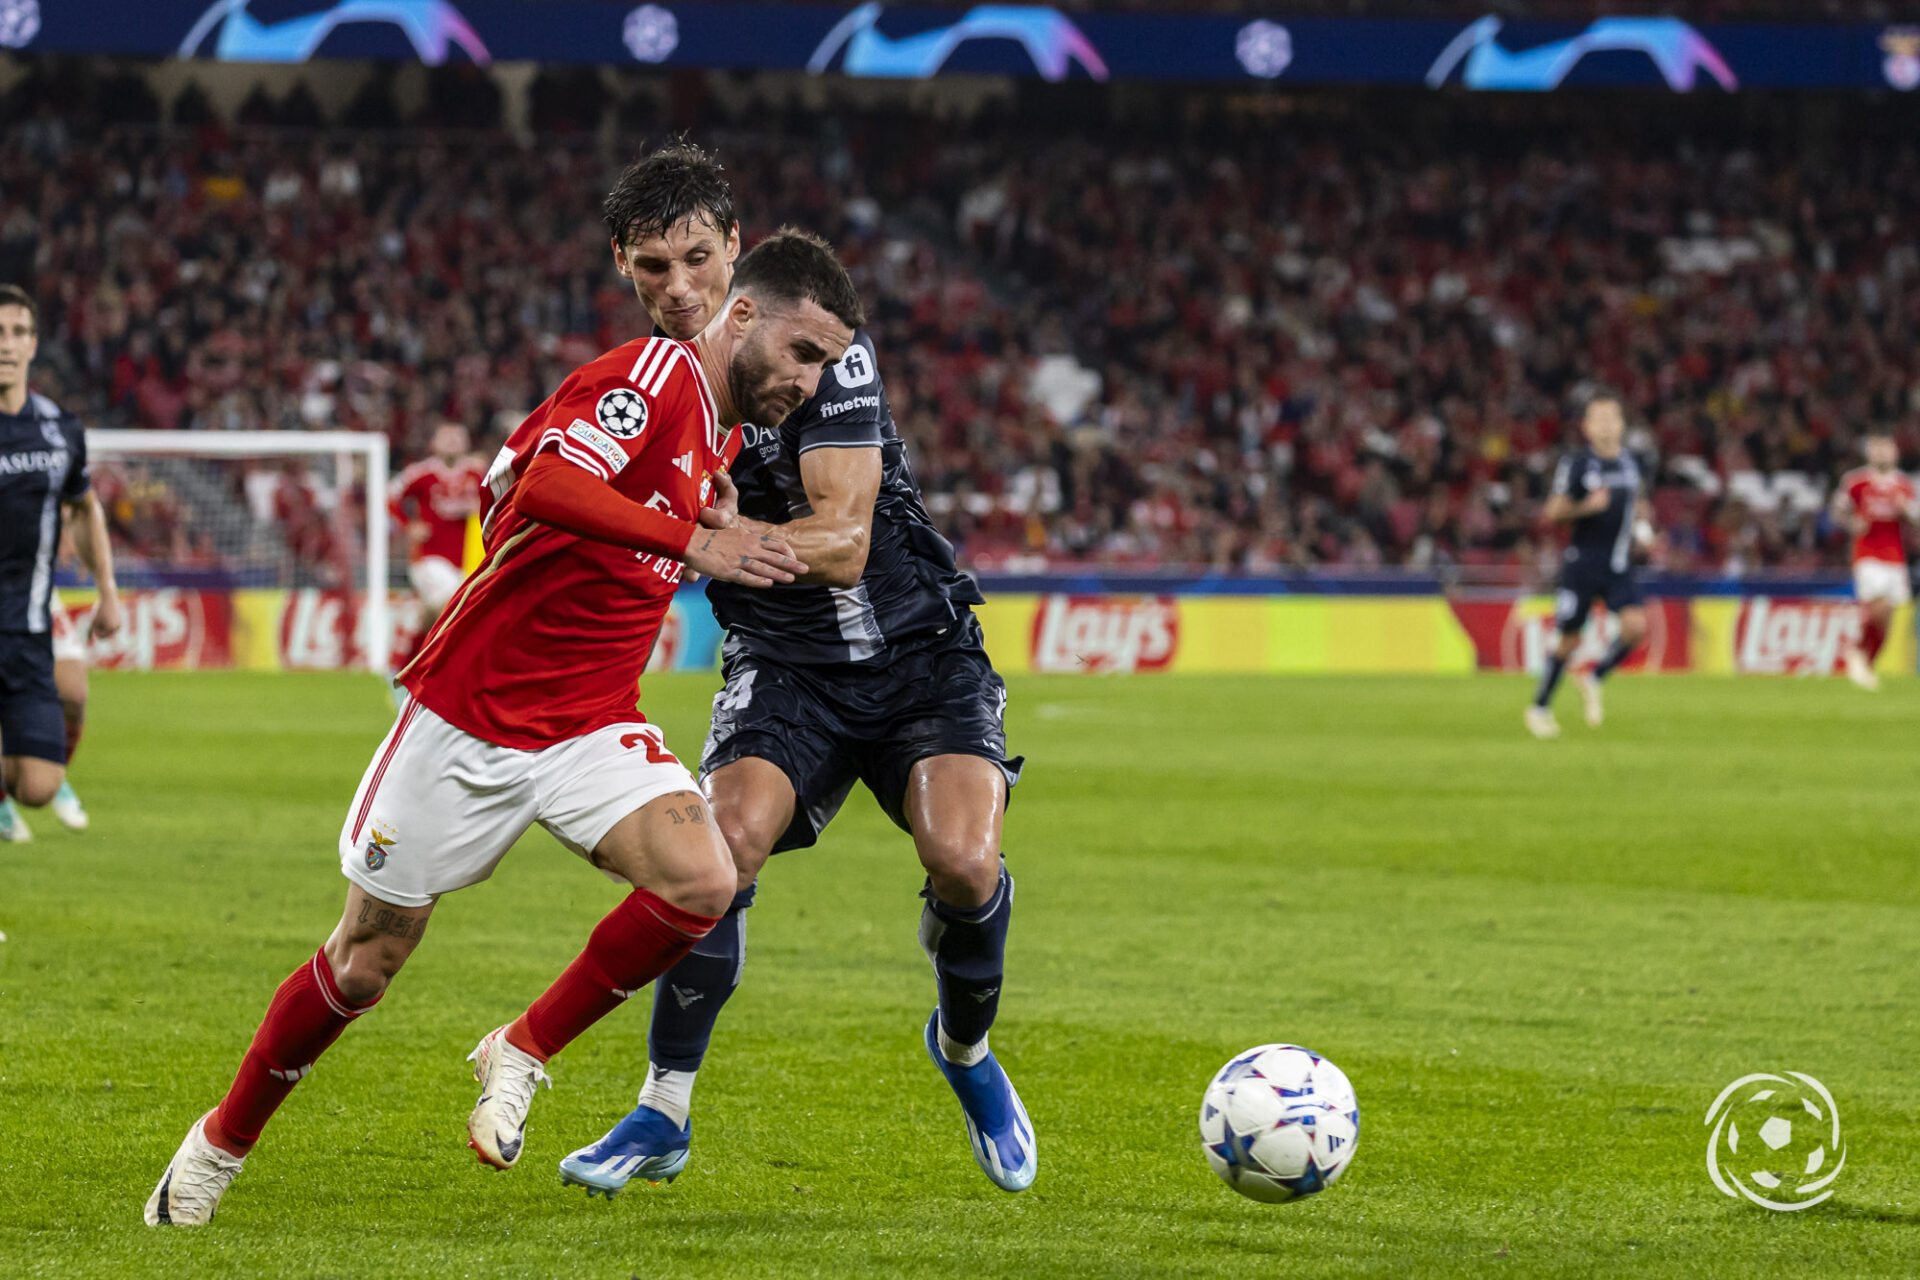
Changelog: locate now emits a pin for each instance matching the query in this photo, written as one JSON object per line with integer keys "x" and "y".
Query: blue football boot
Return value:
{"x": 645, "y": 1145}
{"x": 997, "y": 1126}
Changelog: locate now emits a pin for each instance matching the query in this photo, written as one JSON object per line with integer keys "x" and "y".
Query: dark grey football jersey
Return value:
{"x": 43, "y": 464}
{"x": 1604, "y": 540}
{"x": 911, "y": 586}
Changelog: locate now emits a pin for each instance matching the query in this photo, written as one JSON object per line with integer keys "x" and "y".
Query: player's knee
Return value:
{"x": 956, "y": 862}
{"x": 705, "y": 890}
{"x": 36, "y": 790}
{"x": 748, "y": 842}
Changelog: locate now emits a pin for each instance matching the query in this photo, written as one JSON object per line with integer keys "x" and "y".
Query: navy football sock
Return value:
{"x": 688, "y": 997}
{"x": 969, "y": 952}
{"x": 1616, "y": 655}
{"x": 1549, "y": 680}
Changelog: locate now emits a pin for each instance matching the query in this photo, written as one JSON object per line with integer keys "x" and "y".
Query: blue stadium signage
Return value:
{"x": 870, "y": 39}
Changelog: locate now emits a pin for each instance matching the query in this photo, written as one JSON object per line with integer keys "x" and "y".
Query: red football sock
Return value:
{"x": 76, "y": 724}
{"x": 1872, "y": 636}
{"x": 307, "y": 1014}
{"x": 639, "y": 940}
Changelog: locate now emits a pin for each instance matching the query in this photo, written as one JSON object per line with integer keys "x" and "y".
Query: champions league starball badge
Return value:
{"x": 622, "y": 413}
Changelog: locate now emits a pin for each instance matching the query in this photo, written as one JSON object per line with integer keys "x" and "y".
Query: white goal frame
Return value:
{"x": 343, "y": 446}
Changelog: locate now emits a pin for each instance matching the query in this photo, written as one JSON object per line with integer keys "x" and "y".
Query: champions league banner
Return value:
{"x": 871, "y": 40}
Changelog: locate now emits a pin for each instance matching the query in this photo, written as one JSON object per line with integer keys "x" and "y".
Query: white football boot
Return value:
{"x": 1541, "y": 724}
{"x": 66, "y": 806}
{"x": 1860, "y": 671}
{"x": 196, "y": 1178}
{"x": 13, "y": 827}
{"x": 1590, "y": 702}
{"x": 508, "y": 1077}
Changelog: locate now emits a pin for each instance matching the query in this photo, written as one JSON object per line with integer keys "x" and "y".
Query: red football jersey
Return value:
{"x": 1883, "y": 501}
{"x": 546, "y": 640}
{"x": 443, "y": 497}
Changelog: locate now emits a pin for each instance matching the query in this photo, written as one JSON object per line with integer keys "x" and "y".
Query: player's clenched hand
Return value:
{"x": 726, "y": 503}
{"x": 745, "y": 553}
{"x": 1596, "y": 502}
{"x": 107, "y": 617}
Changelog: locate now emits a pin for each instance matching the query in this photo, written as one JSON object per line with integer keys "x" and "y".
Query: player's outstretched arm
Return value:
{"x": 557, "y": 493}
{"x": 96, "y": 553}
{"x": 755, "y": 557}
{"x": 841, "y": 485}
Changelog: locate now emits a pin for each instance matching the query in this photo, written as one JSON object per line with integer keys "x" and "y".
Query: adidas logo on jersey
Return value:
{"x": 685, "y": 462}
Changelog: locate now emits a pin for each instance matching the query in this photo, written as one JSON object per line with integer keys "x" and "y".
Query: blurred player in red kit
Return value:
{"x": 435, "y": 497}
{"x": 523, "y": 704}
{"x": 1873, "y": 501}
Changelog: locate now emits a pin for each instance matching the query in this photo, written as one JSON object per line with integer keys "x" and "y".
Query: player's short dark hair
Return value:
{"x": 1598, "y": 395}
{"x": 793, "y": 266}
{"x": 12, "y": 295}
{"x": 677, "y": 182}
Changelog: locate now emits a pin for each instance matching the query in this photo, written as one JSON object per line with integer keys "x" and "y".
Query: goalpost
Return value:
{"x": 284, "y": 509}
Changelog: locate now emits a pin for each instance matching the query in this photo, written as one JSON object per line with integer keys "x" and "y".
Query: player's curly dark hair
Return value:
{"x": 792, "y": 265}
{"x": 665, "y": 188}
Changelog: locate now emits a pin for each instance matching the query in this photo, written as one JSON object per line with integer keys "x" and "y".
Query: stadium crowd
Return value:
{"x": 1222, "y": 344}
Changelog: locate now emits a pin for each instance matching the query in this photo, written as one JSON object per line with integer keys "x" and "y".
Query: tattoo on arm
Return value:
{"x": 698, "y": 813}
{"x": 395, "y": 924}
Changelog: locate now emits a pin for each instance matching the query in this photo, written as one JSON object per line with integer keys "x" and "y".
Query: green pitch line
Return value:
{"x": 1539, "y": 962}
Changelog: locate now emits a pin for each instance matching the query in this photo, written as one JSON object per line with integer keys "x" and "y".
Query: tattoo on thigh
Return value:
{"x": 394, "y": 924}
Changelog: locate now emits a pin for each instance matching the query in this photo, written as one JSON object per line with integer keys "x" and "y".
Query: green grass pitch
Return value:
{"x": 1538, "y": 962}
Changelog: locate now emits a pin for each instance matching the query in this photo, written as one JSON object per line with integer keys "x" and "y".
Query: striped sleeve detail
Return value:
{"x": 557, "y": 440}
{"x": 710, "y": 416}
{"x": 656, "y": 355}
{"x": 1563, "y": 474}
{"x": 581, "y": 458}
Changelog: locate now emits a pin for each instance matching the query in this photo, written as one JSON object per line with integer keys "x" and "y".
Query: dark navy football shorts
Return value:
{"x": 828, "y": 726}
{"x": 31, "y": 723}
{"x": 1581, "y": 585}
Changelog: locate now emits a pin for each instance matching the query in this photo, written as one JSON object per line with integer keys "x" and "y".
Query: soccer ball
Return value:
{"x": 1279, "y": 1122}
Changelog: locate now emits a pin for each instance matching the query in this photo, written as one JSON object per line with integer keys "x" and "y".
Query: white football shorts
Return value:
{"x": 1882, "y": 580}
{"x": 438, "y": 808}
{"x": 69, "y": 641}
{"x": 434, "y": 580}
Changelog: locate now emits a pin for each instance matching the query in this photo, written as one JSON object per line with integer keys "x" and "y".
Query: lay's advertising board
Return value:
{"x": 1090, "y": 633}
{"x": 1126, "y": 634}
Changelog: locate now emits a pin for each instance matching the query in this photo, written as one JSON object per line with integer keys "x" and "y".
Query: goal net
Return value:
{"x": 248, "y": 548}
